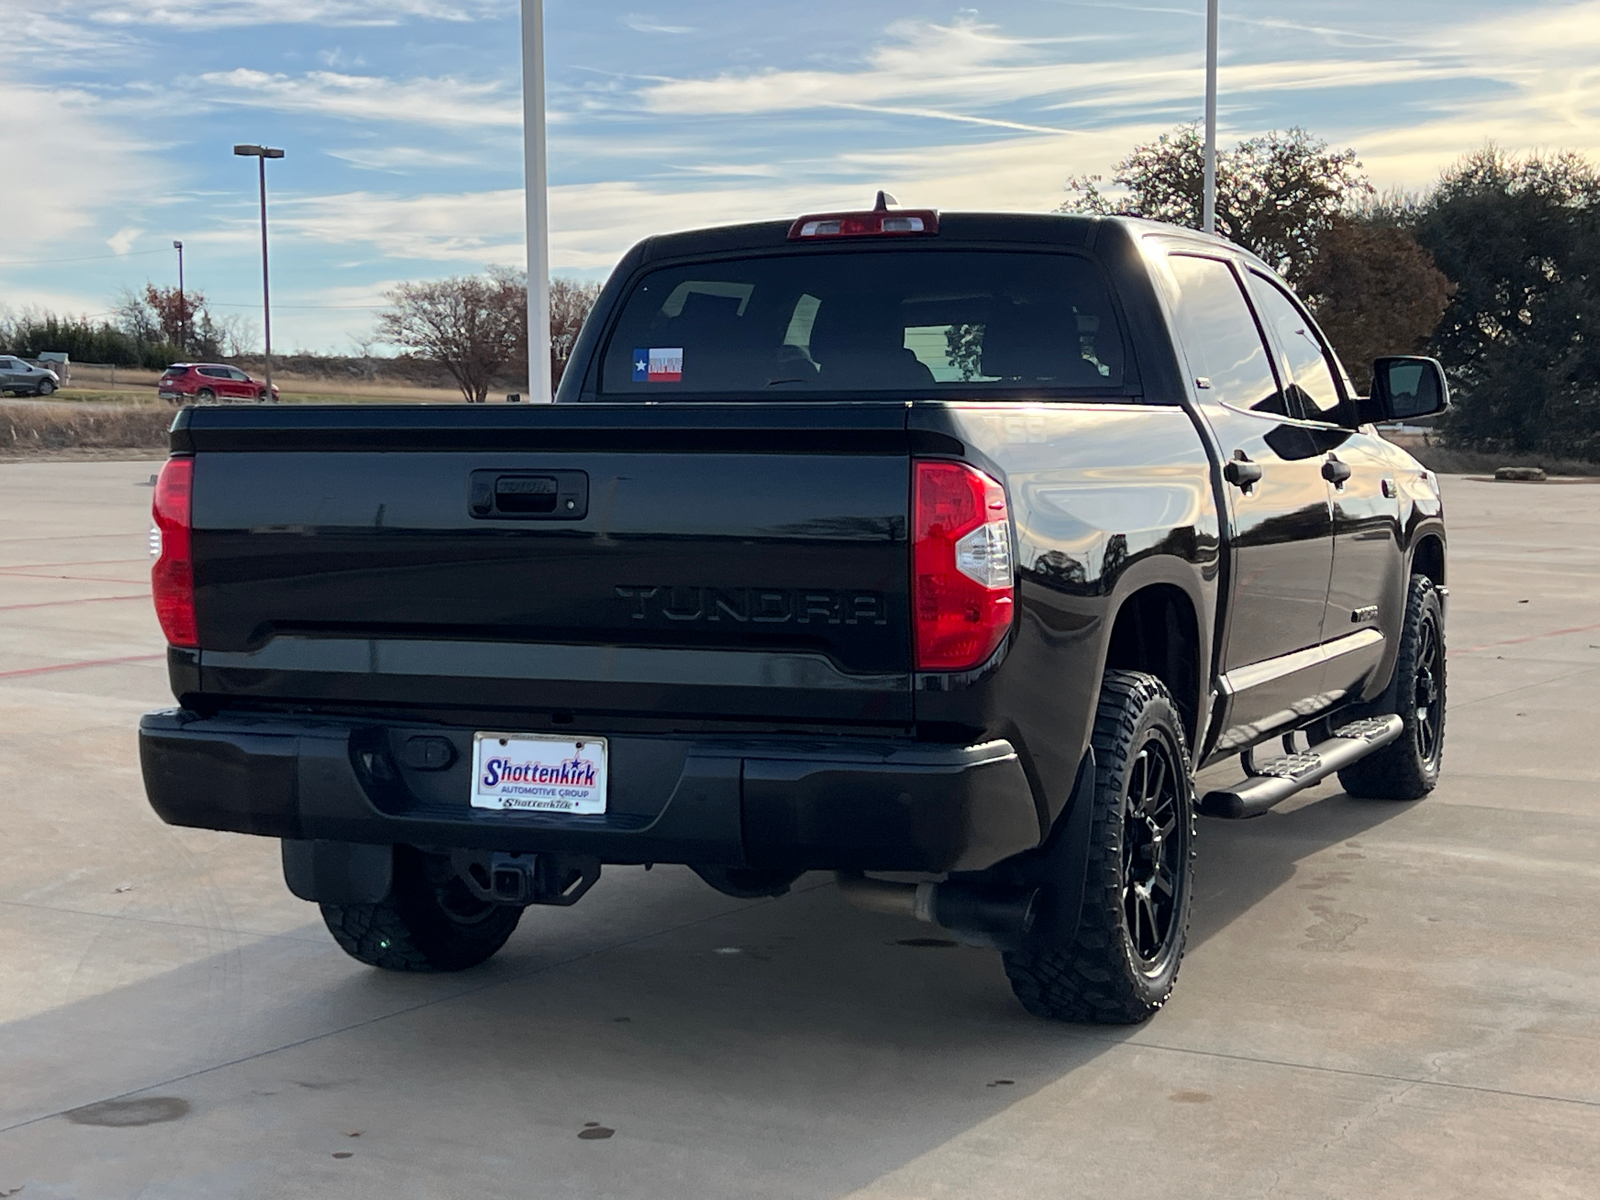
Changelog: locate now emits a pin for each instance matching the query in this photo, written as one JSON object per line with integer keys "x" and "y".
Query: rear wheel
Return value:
{"x": 206, "y": 396}
{"x": 1408, "y": 768}
{"x": 430, "y": 921}
{"x": 1123, "y": 954}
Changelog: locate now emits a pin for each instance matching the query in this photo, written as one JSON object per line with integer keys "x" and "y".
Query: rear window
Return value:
{"x": 960, "y": 321}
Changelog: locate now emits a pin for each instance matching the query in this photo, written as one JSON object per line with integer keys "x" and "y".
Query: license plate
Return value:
{"x": 536, "y": 772}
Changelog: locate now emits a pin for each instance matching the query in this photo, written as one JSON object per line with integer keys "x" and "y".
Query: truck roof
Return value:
{"x": 1064, "y": 229}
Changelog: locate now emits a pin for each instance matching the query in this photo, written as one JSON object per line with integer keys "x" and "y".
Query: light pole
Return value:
{"x": 261, "y": 154}
{"x": 1209, "y": 220}
{"x": 183, "y": 305}
{"x": 536, "y": 198}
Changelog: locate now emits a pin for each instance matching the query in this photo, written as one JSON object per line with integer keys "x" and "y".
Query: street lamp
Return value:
{"x": 183, "y": 305}
{"x": 1209, "y": 220}
{"x": 261, "y": 154}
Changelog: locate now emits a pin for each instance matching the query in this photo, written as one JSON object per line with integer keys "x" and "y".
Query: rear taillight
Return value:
{"x": 172, "y": 576}
{"x": 965, "y": 591}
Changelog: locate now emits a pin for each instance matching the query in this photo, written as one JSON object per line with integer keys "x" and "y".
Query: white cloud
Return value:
{"x": 123, "y": 239}
{"x": 220, "y": 14}
{"x": 66, "y": 165}
{"x": 442, "y": 102}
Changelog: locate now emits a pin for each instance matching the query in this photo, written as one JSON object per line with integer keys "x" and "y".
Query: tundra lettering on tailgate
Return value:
{"x": 761, "y": 606}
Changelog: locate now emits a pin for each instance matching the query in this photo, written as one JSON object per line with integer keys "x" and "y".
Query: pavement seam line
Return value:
{"x": 83, "y": 912}
{"x": 1348, "y": 1071}
{"x": 402, "y": 1012}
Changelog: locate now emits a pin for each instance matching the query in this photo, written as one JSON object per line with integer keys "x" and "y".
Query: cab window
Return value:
{"x": 844, "y": 324}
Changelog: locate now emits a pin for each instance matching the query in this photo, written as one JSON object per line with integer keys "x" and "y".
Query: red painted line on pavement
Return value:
{"x": 93, "y": 562}
{"x": 79, "y": 600}
{"x": 77, "y": 578}
{"x": 74, "y": 666}
{"x": 1532, "y": 637}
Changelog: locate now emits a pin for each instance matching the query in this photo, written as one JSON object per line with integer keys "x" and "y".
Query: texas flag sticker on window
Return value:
{"x": 658, "y": 366}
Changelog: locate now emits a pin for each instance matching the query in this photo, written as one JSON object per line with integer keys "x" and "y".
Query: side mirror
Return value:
{"x": 1406, "y": 387}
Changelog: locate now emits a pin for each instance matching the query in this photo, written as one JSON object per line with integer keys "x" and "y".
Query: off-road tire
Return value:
{"x": 45, "y": 388}
{"x": 1101, "y": 976}
{"x": 430, "y": 921}
{"x": 1408, "y": 768}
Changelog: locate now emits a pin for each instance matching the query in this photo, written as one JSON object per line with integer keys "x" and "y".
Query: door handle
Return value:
{"x": 1241, "y": 472}
{"x": 1335, "y": 472}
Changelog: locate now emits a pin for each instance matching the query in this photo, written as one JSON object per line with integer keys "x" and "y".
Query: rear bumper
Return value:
{"x": 802, "y": 803}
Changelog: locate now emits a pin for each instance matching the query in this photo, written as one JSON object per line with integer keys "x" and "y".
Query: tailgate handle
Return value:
{"x": 529, "y": 495}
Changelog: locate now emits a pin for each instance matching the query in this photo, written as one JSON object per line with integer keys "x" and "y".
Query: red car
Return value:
{"x": 207, "y": 383}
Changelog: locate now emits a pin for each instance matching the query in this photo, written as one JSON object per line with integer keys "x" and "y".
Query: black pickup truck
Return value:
{"x": 879, "y": 542}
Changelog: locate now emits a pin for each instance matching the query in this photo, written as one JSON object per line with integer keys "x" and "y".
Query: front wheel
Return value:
{"x": 1122, "y": 957}
{"x": 46, "y": 387}
{"x": 430, "y": 921}
{"x": 1408, "y": 768}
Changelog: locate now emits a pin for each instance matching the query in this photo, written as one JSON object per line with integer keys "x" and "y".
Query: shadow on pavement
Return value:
{"x": 788, "y": 1047}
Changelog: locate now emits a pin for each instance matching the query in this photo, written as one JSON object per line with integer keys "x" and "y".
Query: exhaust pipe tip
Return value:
{"x": 999, "y": 918}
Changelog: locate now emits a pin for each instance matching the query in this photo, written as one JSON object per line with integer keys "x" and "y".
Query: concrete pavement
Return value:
{"x": 1379, "y": 1000}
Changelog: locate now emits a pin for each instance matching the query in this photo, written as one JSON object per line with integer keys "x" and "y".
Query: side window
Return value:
{"x": 237, "y": 375}
{"x": 1307, "y": 364}
{"x": 1220, "y": 338}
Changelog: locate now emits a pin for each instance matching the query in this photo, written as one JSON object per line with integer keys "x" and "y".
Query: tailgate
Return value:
{"x": 687, "y": 561}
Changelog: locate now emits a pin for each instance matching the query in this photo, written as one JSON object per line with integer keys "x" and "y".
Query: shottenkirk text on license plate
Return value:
{"x": 538, "y": 773}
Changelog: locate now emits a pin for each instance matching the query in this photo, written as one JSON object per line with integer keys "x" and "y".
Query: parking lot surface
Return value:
{"x": 1379, "y": 1000}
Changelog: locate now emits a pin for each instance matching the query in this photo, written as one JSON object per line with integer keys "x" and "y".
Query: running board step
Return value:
{"x": 1279, "y": 778}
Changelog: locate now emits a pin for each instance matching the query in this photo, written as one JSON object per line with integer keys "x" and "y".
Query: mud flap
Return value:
{"x": 338, "y": 872}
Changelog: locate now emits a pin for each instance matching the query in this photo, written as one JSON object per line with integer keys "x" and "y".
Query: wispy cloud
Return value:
{"x": 220, "y": 14}
{"x": 640, "y": 23}
{"x": 438, "y": 102}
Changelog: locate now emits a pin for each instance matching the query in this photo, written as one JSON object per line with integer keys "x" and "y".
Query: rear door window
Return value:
{"x": 1220, "y": 337}
{"x": 842, "y": 324}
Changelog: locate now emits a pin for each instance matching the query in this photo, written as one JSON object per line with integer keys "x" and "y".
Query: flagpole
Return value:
{"x": 536, "y": 200}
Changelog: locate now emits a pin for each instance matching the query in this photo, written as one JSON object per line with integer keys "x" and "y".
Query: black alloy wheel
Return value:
{"x": 1113, "y": 955}
{"x": 1155, "y": 850}
{"x": 1428, "y": 691}
{"x": 1408, "y": 768}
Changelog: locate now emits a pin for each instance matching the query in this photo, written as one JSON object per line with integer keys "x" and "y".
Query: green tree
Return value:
{"x": 1374, "y": 290}
{"x": 1277, "y": 194}
{"x": 1520, "y": 239}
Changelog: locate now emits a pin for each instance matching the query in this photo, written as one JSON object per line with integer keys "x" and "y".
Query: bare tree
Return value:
{"x": 474, "y": 326}
{"x": 570, "y": 302}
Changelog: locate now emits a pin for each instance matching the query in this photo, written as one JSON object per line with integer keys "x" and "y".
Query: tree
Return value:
{"x": 1374, "y": 291}
{"x": 476, "y": 327}
{"x": 1276, "y": 193}
{"x": 1520, "y": 238}
{"x": 473, "y": 326}
{"x": 570, "y": 303}
{"x": 178, "y": 324}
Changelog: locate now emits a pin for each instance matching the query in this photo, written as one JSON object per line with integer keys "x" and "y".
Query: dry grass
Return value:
{"x": 1472, "y": 462}
{"x": 33, "y": 428}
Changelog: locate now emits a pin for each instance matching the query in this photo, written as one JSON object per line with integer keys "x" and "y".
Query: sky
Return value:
{"x": 402, "y": 122}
